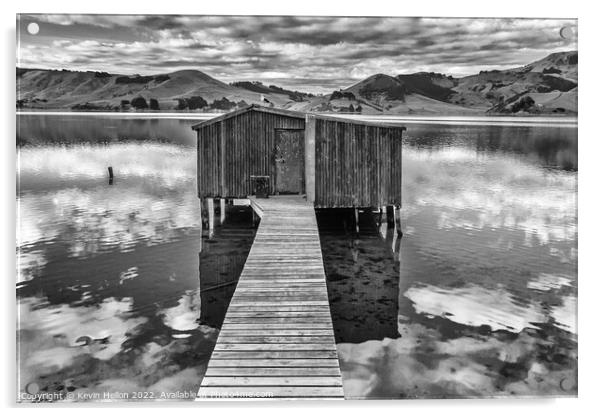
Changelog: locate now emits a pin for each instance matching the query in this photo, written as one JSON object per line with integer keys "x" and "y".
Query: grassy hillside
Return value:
{"x": 260, "y": 88}
{"x": 546, "y": 86}
{"x": 98, "y": 90}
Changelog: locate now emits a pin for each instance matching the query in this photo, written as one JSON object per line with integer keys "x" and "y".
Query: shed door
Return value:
{"x": 289, "y": 159}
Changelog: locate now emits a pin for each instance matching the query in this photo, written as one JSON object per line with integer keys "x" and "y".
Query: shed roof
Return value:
{"x": 295, "y": 114}
{"x": 361, "y": 122}
{"x": 252, "y": 107}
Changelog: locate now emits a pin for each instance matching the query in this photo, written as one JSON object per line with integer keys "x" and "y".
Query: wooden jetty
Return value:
{"x": 277, "y": 338}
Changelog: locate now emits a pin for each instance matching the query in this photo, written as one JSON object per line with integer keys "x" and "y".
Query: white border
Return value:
{"x": 590, "y": 176}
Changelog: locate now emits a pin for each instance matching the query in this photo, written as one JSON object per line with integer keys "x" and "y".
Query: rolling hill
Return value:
{"x": 99, "y": 90}
{"x": 546, "y": 86}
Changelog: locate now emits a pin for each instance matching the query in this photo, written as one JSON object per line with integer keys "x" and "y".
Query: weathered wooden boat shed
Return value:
{"x": 277, "y": 339}
{"x": 335, "y": 162}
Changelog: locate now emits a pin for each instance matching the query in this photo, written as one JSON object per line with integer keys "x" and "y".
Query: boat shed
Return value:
{"x": 336, "y": 162}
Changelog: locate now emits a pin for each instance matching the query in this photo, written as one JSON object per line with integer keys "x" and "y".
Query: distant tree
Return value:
{"x": 191, "y": 103}
{"x": 351, "y": 109}
{"x": 139, "y": 103}
{"x": 20, "y": 103}
{"x": 196, "y": 102}
{"x": 125, "y": 103}
{"x": 223, "y": 104}
{"x": 524, "y": 104}
{"x": 340, "y": 95}
{"x": 358, "y": 109}
{"x": 161, "y": 78}
{"x": 89, "y": 107}
{"x": 154, "y": 104}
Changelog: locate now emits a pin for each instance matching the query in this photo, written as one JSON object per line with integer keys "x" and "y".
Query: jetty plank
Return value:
{"x": 276, "y": 332}
{"x": 275, "y": 362}
{"x": 271, "y": 392}
{"x": 277, "y": 339}
{"x": 271, "y": 371}
{"x": 276, "y": 381}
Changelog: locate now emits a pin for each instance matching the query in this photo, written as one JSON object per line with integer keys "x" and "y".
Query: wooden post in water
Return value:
{"x": 202, "y": 224}
{"x": 210, "y": 215}
{"x": 356, "y": 213}
{"x": 110, "y": 175}
{"x": 382, "y": 229}
{"x": 255, "y": 219}
{"x": 390, "y": 216}
{"x": 397, "y": 249}
{"x": 397, "y": 214}
{"x": 381, "y": 212}
{"x": 222, "y": 210}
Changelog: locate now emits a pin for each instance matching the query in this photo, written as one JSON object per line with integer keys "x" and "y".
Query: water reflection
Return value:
{"x": 362, "y": 277}
{"x": 475, "y": 306}
{"x": 423, "y": 364}
{"x": 35, "y": 129}
{"x": 156, "y": 166}
{"x": 221, "y": 262}
{"x": 548, "y": 146}
{"x": 490, "y": 192}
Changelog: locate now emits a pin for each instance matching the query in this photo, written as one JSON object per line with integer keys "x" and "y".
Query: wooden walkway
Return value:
{"x": 277, "y": 339}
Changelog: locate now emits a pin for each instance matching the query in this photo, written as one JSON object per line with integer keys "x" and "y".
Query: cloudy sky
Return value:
{"x": 314, "y": 54}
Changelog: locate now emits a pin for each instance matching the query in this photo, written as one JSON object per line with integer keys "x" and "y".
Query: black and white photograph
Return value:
{"x": 223, "y": 207}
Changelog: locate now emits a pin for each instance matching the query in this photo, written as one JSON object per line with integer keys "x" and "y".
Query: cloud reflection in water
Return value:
{"x": 502, "y": 192}
{"x": 152, "y": 199}
{"x": 421, "y": 364}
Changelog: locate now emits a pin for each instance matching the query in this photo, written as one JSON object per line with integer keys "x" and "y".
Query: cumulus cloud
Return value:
{"x": 302, "y": 52}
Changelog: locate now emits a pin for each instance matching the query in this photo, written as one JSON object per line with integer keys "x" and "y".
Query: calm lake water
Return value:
{"x": 477, "y": 299}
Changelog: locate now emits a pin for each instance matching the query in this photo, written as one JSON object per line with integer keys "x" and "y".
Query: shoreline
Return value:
{"x": 506, "y": 120}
